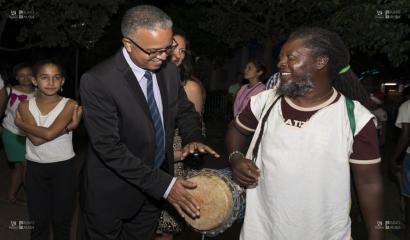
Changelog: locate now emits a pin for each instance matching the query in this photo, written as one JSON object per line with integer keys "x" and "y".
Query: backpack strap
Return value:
{"x": 350, "y": 113}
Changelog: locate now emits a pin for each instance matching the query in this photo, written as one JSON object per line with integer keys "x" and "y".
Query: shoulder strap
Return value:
{"x": 262, "y": 122}
{"x": 276, "y": 97}
{"x": 350, "y": 113}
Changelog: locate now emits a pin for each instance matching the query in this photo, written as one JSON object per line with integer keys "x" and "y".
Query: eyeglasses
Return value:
{"x": 153, "y": 53}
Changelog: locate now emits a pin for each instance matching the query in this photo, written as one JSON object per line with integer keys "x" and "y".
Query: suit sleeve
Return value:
{"x": 102, "y": 123}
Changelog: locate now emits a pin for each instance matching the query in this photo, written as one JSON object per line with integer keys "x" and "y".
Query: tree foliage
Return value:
{"x": 217, "y": 26}
{"x": 51, "y": 23}
{"x": 235, "y": 22}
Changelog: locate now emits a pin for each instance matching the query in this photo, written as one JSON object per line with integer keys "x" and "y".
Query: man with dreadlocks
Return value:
{"x": 306, "y": 134}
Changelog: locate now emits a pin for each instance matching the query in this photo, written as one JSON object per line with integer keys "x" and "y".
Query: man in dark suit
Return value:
{"x": 132, "y": 103}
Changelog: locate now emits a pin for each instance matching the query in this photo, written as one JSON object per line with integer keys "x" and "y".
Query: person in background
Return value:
{"x": 273, "y": 81}
{"x": 401, "y": 166}
{"x": 253, "y": 72}
{"x": 3, "y": 96}
{"x": 182, "y": 58}
{"x": 3, "y": 101}
{"x": 232, "y": 91}
{"x": 193, "y": 87}
{"x": 234, "y": 87}
{"x": 376, "y": 107}
{"x": 13, "y": 138}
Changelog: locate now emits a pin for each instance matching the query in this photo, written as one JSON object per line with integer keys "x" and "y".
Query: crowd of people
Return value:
{"x": 293, "y": 144}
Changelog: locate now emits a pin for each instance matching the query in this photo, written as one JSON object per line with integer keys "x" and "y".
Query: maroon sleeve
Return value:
{"x": 246, "y": 120}
{"x": 366, "y": 145}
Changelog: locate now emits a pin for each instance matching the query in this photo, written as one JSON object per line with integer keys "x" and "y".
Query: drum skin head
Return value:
{"x": 215, "y": 200}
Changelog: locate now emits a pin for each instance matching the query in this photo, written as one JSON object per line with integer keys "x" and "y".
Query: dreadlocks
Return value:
{"x": 326, "y": 43}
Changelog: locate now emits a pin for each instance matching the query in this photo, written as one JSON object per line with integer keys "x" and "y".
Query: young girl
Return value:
{"x": 48, "y": 121}
{"x": 13, "y": 139}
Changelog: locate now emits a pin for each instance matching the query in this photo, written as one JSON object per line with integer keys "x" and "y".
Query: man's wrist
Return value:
{"x": 235, "y": 154}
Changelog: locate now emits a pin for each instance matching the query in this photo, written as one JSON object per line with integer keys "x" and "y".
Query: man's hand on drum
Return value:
{"x": 244, "y": 171}
{"x": 198, "y": 147}
{"x": 182, "y": 200}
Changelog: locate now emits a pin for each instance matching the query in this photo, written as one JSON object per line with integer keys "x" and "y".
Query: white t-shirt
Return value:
{"x": 403, "y": 116}
{"x": 304, "y": 186}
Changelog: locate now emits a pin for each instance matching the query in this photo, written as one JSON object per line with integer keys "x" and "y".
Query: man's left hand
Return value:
{"x": 193, "y": 147}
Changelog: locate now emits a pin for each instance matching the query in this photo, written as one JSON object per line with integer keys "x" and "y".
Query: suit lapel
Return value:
{"x": 136, "y": 89}
{"x": 132, "y": 83}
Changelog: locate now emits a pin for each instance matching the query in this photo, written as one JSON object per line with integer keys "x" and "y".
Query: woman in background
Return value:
{"x": 253, "y": 72}
{"x": 170, "y": 222}
{"x": 183, "y": 59}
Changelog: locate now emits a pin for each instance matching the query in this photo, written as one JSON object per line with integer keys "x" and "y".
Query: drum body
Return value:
{"x": 222, "y": 201}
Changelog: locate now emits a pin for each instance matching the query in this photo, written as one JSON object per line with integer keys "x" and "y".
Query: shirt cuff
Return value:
{"x": 371, "y": 161}
{"x": 169, "y": 187}
{"x": 241, "y": 125}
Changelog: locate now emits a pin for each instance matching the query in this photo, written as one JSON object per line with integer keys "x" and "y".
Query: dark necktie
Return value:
{"x": 156, "y": 119}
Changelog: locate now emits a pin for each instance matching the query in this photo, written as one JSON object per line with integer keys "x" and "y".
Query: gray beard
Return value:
{"x": 296, "y": 88}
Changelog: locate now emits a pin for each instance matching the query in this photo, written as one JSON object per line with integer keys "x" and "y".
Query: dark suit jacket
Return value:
{"x": 119, "y": 173}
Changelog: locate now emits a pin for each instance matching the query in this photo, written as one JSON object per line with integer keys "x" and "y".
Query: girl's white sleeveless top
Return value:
{"x": 56, "y": 150}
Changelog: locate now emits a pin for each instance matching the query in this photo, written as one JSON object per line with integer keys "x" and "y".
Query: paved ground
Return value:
{"x": 14, "y": 220}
